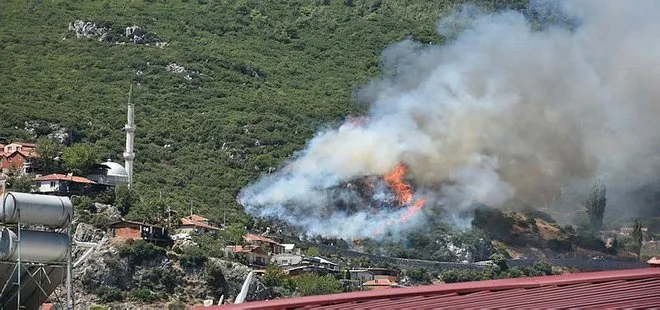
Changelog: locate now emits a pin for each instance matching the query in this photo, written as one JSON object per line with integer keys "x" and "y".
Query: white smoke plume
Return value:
{"x": 505, "y": 113}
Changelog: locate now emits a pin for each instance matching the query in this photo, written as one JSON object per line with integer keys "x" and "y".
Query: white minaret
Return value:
{"x": 129, "y": 155}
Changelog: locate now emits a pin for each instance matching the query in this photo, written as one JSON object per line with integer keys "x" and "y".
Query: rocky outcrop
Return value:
{"x": 38, "y": 129}
{"x": 87, "y": 29}
{"x": 107, "y": 32}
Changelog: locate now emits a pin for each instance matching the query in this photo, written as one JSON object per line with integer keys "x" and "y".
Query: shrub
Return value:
{"x": 177, "y": 305}
{"x": 559, "y": 245}
{"x": 109, "y": 294}
{"x": 140, "y": 251}
{"x": 312, "y": 284}
{"x": 419, "y": 275}
{"x": 193, "y": 257}
{"x": 145, "y": 295}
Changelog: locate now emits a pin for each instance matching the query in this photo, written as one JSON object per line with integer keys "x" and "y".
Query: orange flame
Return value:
{"x": 412, "y": 210}
{"x": 395, "y": 182}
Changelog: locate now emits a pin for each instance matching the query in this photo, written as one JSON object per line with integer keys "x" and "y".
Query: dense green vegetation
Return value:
{"x": 264, "y": 76}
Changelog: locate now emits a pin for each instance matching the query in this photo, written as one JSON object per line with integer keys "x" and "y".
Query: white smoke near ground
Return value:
{"x": 503, "y": 114}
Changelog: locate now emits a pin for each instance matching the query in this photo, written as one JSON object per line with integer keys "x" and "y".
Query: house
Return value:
{"x": 361, "y": 275}
{"x": 286, "y": 259}
{"x": 321, "y": 263}
{"x": 196, "y": 223}
{"x": 383, "y": 274}
{"x": 17, "y": 155}
{"x": 124, "y": 230}
{"x": 63, "y": 184}
{"x": 270, "y": 245}
{"x": 290, "y": 248}
{"x": 298, "y": 270}
{"x": 255, "y": 255}
{"x": 108, "y": 173}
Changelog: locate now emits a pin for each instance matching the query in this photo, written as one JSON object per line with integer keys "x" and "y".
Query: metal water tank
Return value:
{"x": 36, "y": 246}
{"x": 46, "y": 210}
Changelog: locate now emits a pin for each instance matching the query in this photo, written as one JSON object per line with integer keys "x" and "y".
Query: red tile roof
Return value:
{"x": 632, "y": 288}
{"x": 253, "y": 237}
{"x": 195, "y": 221}
{"x": 64, "y": 177}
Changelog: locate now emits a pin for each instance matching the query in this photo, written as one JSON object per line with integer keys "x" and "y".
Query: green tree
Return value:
{"x": 49, "y": 152}
{"x": 125, "y": 198}
{"x": 274, "y": 275}
{"x": 79, "y": 158}
{"x": 313, "y": 251}
{"x": 419, "y": 276}
{"x": 637, "y": 235}
{"x": 312, "y": 284}
{"x": 19, "y": 182}
{"x": 595, "y": 205}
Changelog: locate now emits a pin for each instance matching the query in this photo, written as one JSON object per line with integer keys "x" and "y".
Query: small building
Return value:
{"x": 286, "y": 259}
{"x": 124, "y": 230}
{"x": 108, "y": 173}
{"x": 361, "y": 275}
{"x": 270, "y": 245}
{"x": 255, "y": 256}
{"x": 63, "y": 184}
{"x": 196, "y": 223}
{"x": 18, "y": 156}
{"x": 290, "y": 248}
{"x": 298, "y": 270}
{"x": 384, "y": 274}
{"x": 321, "y": 263}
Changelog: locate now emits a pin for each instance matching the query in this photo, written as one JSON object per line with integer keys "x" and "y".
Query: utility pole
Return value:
{"x": 191, "y": 207}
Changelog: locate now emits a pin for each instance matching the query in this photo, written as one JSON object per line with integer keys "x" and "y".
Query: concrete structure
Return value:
{"x": 125, "y": 230}
{"x": 286, "y": 259}
{"x": 361, "y": 275}
{"x": 129, "y": 154}
{"x": 63, "y": 184}
{"x": 109, "y": 174}
{"x": 291, "y": 248}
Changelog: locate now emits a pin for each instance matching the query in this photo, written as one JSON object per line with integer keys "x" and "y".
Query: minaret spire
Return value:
{"x": 129, "y": 155}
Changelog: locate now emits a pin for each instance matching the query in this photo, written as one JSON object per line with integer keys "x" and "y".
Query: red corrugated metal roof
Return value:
{"x": 632, "y": 288}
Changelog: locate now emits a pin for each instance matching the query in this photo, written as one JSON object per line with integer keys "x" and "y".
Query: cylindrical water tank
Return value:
{"x": 36, "y": 246}
{"x": 46, "y": 210}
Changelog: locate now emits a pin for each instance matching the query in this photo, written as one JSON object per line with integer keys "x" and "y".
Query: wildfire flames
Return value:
{"x": 394, "y": 180}
{"x": 403, "y": 191}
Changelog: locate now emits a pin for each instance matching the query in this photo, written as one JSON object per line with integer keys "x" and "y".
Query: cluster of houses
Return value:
{"x": 258, "y": 250}
{"x": 18, "y": 157}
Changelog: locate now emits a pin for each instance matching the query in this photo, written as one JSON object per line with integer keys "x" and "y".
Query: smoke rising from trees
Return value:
{"x": 507, "y": 112}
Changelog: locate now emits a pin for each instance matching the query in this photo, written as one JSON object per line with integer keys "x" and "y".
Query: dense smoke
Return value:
{"x": 508, "y": 112}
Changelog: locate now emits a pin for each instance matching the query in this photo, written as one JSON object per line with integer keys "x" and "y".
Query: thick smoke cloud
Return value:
{"x": 509, "y": 112}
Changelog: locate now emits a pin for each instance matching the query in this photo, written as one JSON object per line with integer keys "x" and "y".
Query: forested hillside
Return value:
{"x": 258, "y": 79}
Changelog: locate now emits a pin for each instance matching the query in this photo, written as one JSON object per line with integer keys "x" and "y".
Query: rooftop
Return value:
{"x": 64, "y": 177}
{"x": 254, "y": 237}
{"x": 632, "y": 288}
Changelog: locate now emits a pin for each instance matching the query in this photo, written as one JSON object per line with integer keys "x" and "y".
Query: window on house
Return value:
{"x": 52, "y": 183}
